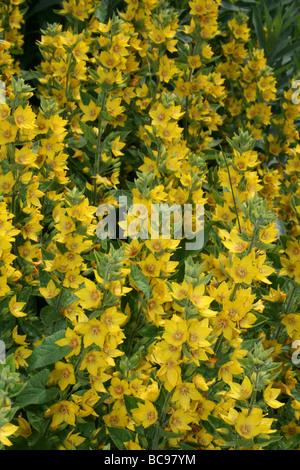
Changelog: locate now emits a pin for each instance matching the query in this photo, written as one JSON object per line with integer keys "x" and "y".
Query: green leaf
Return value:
{"x": 49, "y": 315}
{"x": 259, "y": 29}
{"x": 171, "y": 434}
{"x": 139, "y": 280}
{"x": 120, "y": 435}
{"x": 101, "y": 12}
{"x": 30, "y": 329}
{"x": 67, "y": 298}
{"x": 36, "y": 392}
{"x": 42, "y": 5}
{"x": 48, "y": 352}
{"x": 131, "y": 402}
{"x": 24, "y": 295}
{"x": 187, "y": 446}
{"x": 260, "y": 320}
{"x": 88, "y": 133}
{"x": 291, "y": 443}
{"x": 296, "y": 392}
{"x": 226, "y": 6}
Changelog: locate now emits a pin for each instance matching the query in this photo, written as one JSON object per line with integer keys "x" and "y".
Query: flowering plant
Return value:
{"x": 140, "y": 341}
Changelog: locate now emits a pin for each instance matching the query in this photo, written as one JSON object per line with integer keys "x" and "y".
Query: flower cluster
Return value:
{"x": 138, "y": 342}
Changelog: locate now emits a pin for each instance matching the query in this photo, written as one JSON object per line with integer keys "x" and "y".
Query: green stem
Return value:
{"x": 233, "y": 292}
{"x": 252, "y": 241}
{"x": 253, "y": 396}
{"x": 218, "y": 344}
{"x": 57, "y": 307}
{"x": 133, "y": 331}
{"x": 98, "y": 156}
{"x": 231, "y": 188}
{"x": 290, "y": 299}
{"x": 67, "y": 79}
{"x": 185, "y": 133}
{"x": 157, "y": 434}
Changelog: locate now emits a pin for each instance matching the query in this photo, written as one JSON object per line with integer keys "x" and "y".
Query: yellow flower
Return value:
{"x": 275, "y": 295}
{"x": 90, "y": 111}
{"x": 241, "y": 391}
{"x": 202, "y": 408}
{"x": 253, "y": 424}
{"x": 50, "y": 291}
{"x": 175, "y": 331}
{"x": 19, "y": 339}
{"x": 93, "y": 331}
{"x": 113, "y": 106}
{"x": 229, "y": 369}
{"x": 130, "y": 445}
{"x": 8, "y": 133}
{"x": 243, "y": 270}
{"x": 160, "y": 115}
{"x": 194, "y": 61}
{"x": 20, "y": 355}
{"x": 233, "y": 241}
{"x": 4, "y": 111}
{"x": 270, "y": 395}
{"x": 197, "y": 333}
{"x": 263, "y": 270}
{"x": 63, "y": 374}
{"x": 87, "y": 401}
{"x": 7, "y": 182}
{"x": 73, "y": 440}
{"x": 146, "y": 414}
{"x": 184, "y": 393}
{"x": 25, "y": 118}
{"x": 291, "y": 322}
{"x": 158, "y": 194}
{"x": 65, "y": 225}
{"x": 269, "y": 234}
{"x": 6, "y": 431}
{"x": 291, "y": 429}
{"x": 79, "y": 51}
{"x": 180, "y": 420}
{"x": 118, "y": 387}
{"x": 16, "y": 307}
{"x": 151, "y": 267}
{"x": 117, "y": 417}
{"x": 73, "y": 278}
{"x": 180, "y": 291}
{"x": 72, "y": 340}
{"x": 200, "y": 382}
{"x": 109, "y": 59}
{"x": 296, "y": 407}
{"x": 90, "y": 297}
{"x": 63, "y": 412}
{"x": 24, "y": 428}
{"x": 170, "y": 372}
{"x": 25, "y": 156}
{"x": 167, "y": 69}
{"x": 117, "y": 146}
{"x": 92, "y": 361}
{"x": 150, "y": 392}
{"x": 199, "y": 299}
{"x": 112, "y": 319}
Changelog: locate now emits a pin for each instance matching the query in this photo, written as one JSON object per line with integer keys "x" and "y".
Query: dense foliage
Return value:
{"x": 133, "y": 342}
